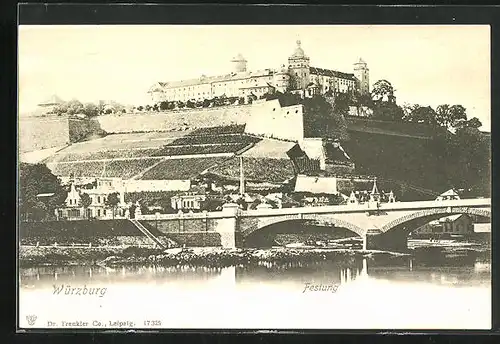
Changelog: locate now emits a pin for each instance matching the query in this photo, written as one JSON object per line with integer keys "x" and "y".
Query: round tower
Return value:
{"x": 361, "y": 72}
{"x": 281, "y": 80}
{"x": 239, "y": 64}
{"x": 298, "y": 66}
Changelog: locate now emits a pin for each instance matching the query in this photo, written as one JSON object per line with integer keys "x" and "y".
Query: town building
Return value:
{"x": 299, "y": 75}
{"x": 188, "y": 201}
{"x": 449, "y": 195}
{"x": 48, "y": 106}
{"x": 460, "y": 224}
{"x": 98, "y": 208}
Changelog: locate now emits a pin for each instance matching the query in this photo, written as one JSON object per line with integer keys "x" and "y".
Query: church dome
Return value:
{"x": 299, "y": 52}
{"x": 360, "y": 61}
{"x": 239, "y": 58}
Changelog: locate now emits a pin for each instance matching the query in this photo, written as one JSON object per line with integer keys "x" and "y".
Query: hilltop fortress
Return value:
{"x": 299, "y": 76}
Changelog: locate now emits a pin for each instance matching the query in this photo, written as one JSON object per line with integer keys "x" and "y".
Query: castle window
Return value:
{"x": 296, "y": 111}
{"x": 274, "y": 109}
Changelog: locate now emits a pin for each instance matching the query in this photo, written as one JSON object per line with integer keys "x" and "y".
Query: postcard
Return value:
{"x": 254, "y": 176}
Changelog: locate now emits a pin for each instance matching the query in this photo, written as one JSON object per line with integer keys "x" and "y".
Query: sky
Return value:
{"x": 427, "y": 65}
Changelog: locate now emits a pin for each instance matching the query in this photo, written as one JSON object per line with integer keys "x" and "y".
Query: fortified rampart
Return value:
{"x": 266, "y": 118}
{"x": 173, "y": 120}
{"x": 37, "y": 133}
{"x": 269, "y": 119}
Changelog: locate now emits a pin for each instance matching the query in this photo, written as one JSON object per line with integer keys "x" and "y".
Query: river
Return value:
{"x": 433, "y": 289}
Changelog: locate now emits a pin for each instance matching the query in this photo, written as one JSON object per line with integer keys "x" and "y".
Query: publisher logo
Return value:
{"x": 31, "y": 319}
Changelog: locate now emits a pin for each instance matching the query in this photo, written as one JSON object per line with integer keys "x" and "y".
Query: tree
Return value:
{"x": 474, "y": 123}
{"x": 190, "y": 104}
{"x": 163, "y": 105}
{"x": 387, "y": 111}
{"x": 112, "y": 201}
{"x": 212, "y": 204}
{"x": 61, "y": 109}
{"x": 206, "y": 103}
{"x": 140, "y": 108}
{"x": 383, "y": 89}
{"x": 324, "y": 119}
{"x": 74, "y": 107}
{"x": 100, "y": 106}
{"x": 91, "y": 110}
{"x": 86, "y": 201}
{"x": 147, "y": 107}
{"x": 450, "y": 116}
{"x": 117, "y": 106}
{"x": 35, "y": 179}
{"x": 420, "y": 114}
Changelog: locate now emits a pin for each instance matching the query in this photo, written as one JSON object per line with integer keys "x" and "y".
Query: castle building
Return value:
{"x": 298, "y": 76}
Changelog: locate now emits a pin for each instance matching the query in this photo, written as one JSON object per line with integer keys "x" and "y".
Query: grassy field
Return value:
{"x": 175, "y": 169}
{"x": 114, "y": 168}
{"x": 127, "y": 155}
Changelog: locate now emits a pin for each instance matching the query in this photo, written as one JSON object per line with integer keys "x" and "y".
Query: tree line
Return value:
{"x": 76, "y": 107}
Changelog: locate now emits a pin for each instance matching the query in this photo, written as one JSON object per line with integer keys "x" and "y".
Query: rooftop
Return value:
{"x": 53, "y": 100}
{"x": 316, "y": 185}
{"x": 332, "y": 73}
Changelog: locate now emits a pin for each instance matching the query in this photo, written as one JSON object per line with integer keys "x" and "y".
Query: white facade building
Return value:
{"x": 299, "y": 75}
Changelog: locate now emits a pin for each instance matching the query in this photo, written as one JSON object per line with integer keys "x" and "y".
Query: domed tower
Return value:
{"x": 361, "y": 72}
{"x": 239, "y": 64}
{"x": 298, "y": 67}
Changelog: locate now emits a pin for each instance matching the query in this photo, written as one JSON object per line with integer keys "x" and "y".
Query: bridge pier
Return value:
{"x": 395, "y": 241}
{"x": 226, "y": 226}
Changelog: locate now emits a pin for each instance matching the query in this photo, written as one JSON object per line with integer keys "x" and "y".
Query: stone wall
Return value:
{"x": 182, "y": 225}
{"x": 36, "y": 133}
{"x": 196, "y": 239}
{"x": 171, "y": 120}
{"x": 269, "y": 119}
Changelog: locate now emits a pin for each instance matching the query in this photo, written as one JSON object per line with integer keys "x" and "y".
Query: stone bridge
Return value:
{"x": 385, "y": 226}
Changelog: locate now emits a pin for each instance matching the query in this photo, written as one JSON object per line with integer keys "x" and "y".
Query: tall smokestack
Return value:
{"x": 242, "y": 178}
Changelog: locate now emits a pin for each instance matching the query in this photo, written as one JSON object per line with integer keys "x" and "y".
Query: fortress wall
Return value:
{"x": 38, "y": 133}
{"x": 272, "y": 120}
{"x": 197, "y": 118}
{"x": 261, "y": 118}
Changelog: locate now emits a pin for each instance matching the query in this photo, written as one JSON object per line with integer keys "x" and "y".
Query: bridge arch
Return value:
{"x": 424, "y": 216}
{"x": 299, "y": 225}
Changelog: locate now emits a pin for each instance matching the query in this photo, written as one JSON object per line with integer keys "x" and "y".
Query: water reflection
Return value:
{"x": 435, "y": 267}
{"x": 450, "y": 291}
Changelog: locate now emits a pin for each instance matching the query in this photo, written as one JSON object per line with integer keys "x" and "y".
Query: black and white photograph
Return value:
{"x": 254, "y": 176}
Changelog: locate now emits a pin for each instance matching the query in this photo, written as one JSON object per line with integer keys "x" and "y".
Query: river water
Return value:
{"x": 430, "y": 290}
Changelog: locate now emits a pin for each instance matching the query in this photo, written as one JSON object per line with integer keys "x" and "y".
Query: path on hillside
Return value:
{"x": 166, "y": 157}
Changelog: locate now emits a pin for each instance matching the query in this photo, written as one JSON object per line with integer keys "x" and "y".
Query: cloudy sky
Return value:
{"x": 427, "y": 65}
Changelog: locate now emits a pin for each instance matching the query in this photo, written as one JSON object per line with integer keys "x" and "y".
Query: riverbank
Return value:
{"x": 30, "y": 256}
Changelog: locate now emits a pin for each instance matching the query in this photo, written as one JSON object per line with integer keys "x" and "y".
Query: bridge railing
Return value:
{"x": 472, "y": 202}
{"x": 476, "y": 202}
